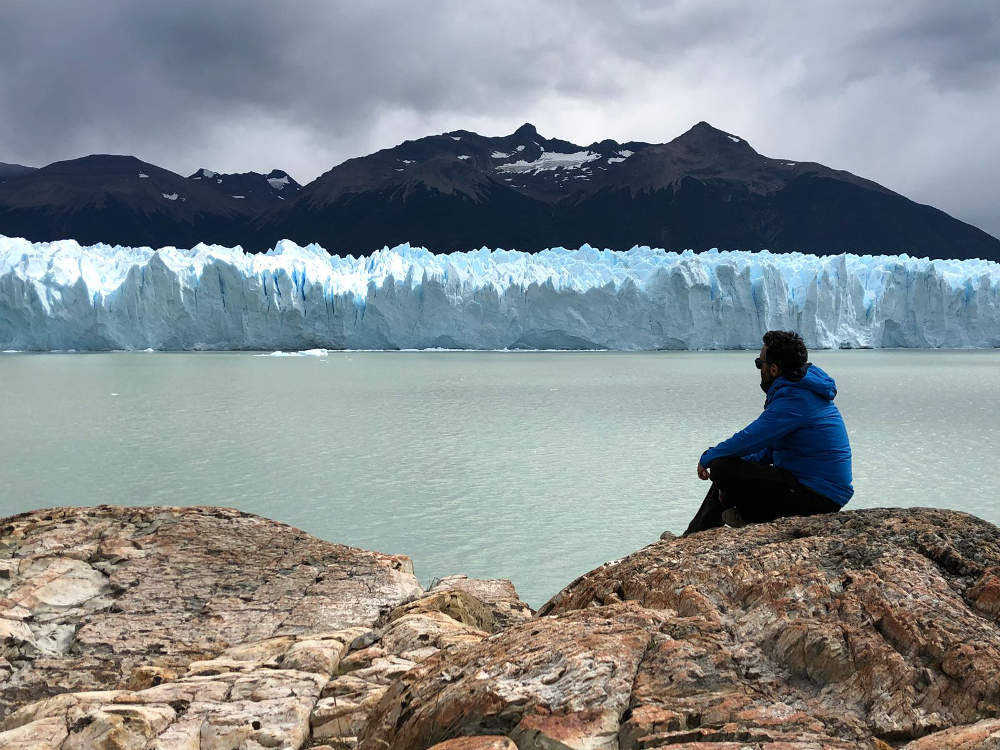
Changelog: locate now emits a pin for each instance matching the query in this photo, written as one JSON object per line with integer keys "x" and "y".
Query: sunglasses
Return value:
{"x": 758, "y": 363}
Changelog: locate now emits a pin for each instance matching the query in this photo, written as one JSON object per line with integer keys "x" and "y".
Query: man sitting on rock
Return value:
{"x": 793, "y": 460}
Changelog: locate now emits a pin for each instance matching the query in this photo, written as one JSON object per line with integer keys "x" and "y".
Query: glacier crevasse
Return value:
{"x": 60, "y": 295}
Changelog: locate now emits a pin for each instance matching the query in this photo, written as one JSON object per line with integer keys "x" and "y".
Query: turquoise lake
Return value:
{"x": 533, "y": 466}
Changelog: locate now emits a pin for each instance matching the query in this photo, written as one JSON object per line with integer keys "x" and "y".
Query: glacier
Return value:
{"x": 61, "y": 296}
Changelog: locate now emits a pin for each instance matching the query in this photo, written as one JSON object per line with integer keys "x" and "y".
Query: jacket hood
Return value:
{"x": 814, "y": 380}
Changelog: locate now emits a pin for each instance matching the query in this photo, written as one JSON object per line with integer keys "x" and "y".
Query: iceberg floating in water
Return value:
{"x": 59, "y": 295}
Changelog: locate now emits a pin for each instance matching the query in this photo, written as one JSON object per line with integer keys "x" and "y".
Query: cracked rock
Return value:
{"x": 91, "y": 597}
{"x": 860, "y": 629}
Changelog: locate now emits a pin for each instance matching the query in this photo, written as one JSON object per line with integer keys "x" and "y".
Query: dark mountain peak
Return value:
{"x": 14, "y": 170}
{"x": 706, "y": 137}
{"x": 251, "y": 188}
{"x": 279, "y": 179}
{"x": 526, "y": 131}
{"x": 116, "y": 199}
{"x": 703, "y": 129}
{"x": 96, "y": 164}
{"x": 203, "y": 174}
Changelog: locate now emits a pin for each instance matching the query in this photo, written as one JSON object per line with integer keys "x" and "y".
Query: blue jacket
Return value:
{"x": 799, "y": 430}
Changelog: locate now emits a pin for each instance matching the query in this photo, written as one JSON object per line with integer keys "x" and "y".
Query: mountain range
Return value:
{"x": 460, "y": 190}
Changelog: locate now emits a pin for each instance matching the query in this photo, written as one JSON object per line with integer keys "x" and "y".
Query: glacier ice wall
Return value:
{"x": 60, "y": 295}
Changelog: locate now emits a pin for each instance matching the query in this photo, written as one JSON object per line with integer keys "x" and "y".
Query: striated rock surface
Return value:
{"x": 259, "y": 695}
{"x": 288, "y": 691}
{"x": 90, "y": 595}
{"x": 863, "y": 629}
{"x": 604, "y": 677}
{"x": 872, "y": 628}
{"x": 983, "y": 735}
{"x": 211, "y": 629}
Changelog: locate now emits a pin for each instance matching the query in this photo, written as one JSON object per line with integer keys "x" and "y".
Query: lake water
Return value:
{"x": 533, "y": 466}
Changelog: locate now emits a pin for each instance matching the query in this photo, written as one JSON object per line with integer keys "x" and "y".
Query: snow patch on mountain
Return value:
{"x": 622, "y": 156}
{"x": 61, "y": 295}
{"x": 278, "y": 183}
{"x": 550, "y": 160}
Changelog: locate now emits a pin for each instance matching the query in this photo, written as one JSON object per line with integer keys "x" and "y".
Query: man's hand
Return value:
{"x": 703, "y": 472}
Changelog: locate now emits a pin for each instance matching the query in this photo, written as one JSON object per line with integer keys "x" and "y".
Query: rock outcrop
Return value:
{"x": 863, "y": 629}
{"x": 497, "y": 593}
{"x": 285, "y": 691}
{"x": 211, "y": 629}
{"x": 872, "y": 628}
{"x": 91, "y": 594}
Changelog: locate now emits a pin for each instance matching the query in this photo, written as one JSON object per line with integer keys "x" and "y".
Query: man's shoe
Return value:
{"x": 732, "y": 517}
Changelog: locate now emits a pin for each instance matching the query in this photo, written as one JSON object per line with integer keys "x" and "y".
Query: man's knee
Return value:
{"x": 725, "y": 469}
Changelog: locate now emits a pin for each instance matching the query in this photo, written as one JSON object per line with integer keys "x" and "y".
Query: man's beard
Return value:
{"x": 765, "y": 384}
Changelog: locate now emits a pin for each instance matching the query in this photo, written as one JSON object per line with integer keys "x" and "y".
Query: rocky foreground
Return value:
{"x": 206, "y": 629}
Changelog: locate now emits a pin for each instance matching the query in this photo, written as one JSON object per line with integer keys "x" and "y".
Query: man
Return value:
{"x": 793, "y": 460}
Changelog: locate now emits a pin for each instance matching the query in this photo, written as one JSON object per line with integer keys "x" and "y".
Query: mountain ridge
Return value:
{"x": 14, "y": 170}
{"x": 460, "y": 190}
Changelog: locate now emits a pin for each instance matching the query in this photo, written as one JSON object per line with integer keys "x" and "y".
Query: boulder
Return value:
{"x": 44, "y": 734}
{"x": 549, "y": 666}
{"x": 846, "y": 604}
{"x": 458, "y": 605}
{"x": 604, "y": 677}
{"x": 868, "y": 628}
{"x": 431, "y": 628}
{"x": 413, "y": 633}
{"x": 498, "y": 594}
{"x": 261, "y": 708}
{"x": 105, "y": 597}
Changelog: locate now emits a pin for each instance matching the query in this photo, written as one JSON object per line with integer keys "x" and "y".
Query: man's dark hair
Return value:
{"x": 786, "y": 349}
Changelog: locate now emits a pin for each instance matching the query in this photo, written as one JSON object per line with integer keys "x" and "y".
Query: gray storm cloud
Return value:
{"x": 903, "y": 93}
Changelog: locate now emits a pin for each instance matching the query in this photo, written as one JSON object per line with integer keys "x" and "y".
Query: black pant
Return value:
{"x": 760, "y": 493}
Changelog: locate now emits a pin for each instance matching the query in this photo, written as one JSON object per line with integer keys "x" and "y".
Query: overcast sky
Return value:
{"x": 904, "y": 93}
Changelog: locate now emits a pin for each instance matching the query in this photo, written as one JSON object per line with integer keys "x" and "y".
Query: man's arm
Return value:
{"x": 760, "y": 457}
{"x": 780, "y": 418}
